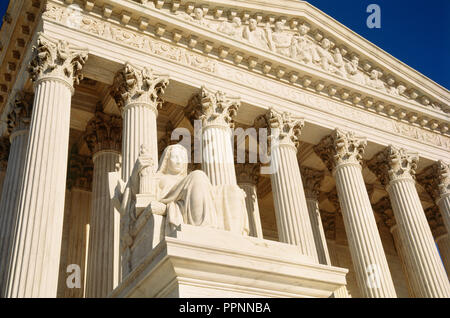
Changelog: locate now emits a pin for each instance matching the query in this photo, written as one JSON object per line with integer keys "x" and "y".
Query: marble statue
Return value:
{"x": 375, "y": 81}
{"x": 280, "y": 41}
{"x": 255, "y": 35}
{"x": 339, "y": 63}
{"x": 302, "y": 48}
{"x": 233, "y": 28}
{"x": 353, "y": 73}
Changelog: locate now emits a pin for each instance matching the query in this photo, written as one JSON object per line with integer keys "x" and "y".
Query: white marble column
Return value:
{"x": 396, "y": 169}
{"x": 311, "y": 183}
{"x": 334, "y": 261}
{"x": 436, "y": 181}
{"x": 216, "y": 111}
{"x": 33, "y": 270}
{"x": 103, "y": 136}
{"x": 4, "y": 153}
{"x": 342, "y": 153}
{"x": 247, "y": 178}
{"x": 18, "y": 125}
{"x": 292, "y": 216}
{"x": 443, "y": 243}
{"x": 137, "y": 91}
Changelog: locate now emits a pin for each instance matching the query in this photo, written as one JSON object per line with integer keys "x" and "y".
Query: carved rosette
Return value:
{"x": 57, "y": 59}
{"x": 384, "y": 209}
{"x": 213, "y": 108}
{"x": 435, "y": 221}
{"x": 80, "y": 172}
{"x": 283, "y": 128}
{"x": 104, "y": 132}
{"x": 311, "y": 181}
{"x": 247, "y": 173}
{"x": 135, "y": 85}
{"x": 4, "y": 153}
{"x": 20, "y": 115}
{"x": 394, "y": 164}
{"x": 341, "y": 148}
{"x": 436, "y": 179}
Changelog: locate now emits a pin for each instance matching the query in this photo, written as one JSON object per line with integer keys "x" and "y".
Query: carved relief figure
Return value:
{"x": 280, "y": 41}
{"x": 255, "y": 35}
{"x": 339, "y": 63}
{"x": 302, "y": 48}
{"x": 233, "y": 29}
{"x": 353, "y": 72}
{"x": 326, "y": 59}
{"x": 375, "y": 81}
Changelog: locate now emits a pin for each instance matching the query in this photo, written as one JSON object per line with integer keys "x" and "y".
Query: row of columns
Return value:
{"x": 34, "y": 244}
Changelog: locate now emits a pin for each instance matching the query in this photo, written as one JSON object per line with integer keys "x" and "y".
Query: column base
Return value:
{"x": 200, "y": 262}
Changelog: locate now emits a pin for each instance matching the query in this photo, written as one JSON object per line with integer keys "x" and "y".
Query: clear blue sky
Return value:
{"x": 417, "y": 32}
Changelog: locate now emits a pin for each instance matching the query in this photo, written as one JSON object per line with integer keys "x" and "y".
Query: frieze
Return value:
{"x": 104, "y": 29}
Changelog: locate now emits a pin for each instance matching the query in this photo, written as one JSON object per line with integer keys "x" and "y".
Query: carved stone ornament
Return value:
{"x": 311, "y": 179}
{"x": 4, "y": 153}
{"x": 283, "y": 128}
{"x": 80, "y": 172}
{"x": 341, "y": 148}
{"x": 247, "y": 173}
{"x": 384, "y": 209}
{"x": 436, "y": 179}
{"x": 329, "y": 224}
{"x": 104, "y": 132}
{"x": 135, "y": 85}
{"x": 213, "y": 108}
{"x": 435, "y": 221}
{"x": 57, "y": 59}
{"x": 394, "y": 163}
{"x": 20, "y": 115}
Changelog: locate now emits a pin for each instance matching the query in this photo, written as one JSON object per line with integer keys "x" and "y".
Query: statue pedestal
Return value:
{"x": 200, "y": 262}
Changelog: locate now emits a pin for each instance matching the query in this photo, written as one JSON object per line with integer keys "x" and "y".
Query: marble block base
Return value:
{"x": 199, "y": 262}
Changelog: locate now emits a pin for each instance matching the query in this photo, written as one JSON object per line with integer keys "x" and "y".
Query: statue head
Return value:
{"x": 252, "y": 24}
{"x": 198, "y": 13}
{"x": 279, "y": 26}
{"x": 326, "y": 44}
{"x": 375, "y": 74}
{"x": 174, "y": 161}
{"x": 303, "y": 29}
{"x": 237, "y": 21}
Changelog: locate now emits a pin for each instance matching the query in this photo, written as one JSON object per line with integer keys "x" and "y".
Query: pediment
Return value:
{"x": 289, "y": 41}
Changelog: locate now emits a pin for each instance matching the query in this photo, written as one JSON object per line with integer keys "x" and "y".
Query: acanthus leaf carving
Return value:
{"x": 394, "y": 163}
{"x": 247, "y": 173}
{"x": 104, "y": 132}
{"x": 79, "y": 172}
{"x": 133, "y": 84}
{"x": 213, "y": 108}
{"x": 311, "y": 179}
{"x": 20, "y": 115}
{"x": 341, "y": 148}
{"x": 283, "y": 128}
{"x": 57, "y": 59}
{"x": 384, "y": 209}
{"x": 4, "y": 152}
{"x": 436, "y": 179}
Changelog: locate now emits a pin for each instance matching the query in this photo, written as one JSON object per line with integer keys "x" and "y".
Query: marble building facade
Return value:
{"x": 91, "y": 92}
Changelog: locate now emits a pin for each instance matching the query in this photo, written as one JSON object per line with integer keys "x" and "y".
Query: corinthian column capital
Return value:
{"x": 213, "y": 108}
{"x": 247, "y": 173}
{"x": 384, "y": 209}
{"x": 104, "y": 132}
{"x": 284, "y": 128}
{"x": 311, "y": 181}
{"x": 57, "y": 59}
{"x": 340, "y": 148}
{"x": 4, "y": 152}
{"x": 135, "y": 85}
{"x": 435, "y": 221}
{"x": 436, "y": 179}
{"x": 79, "y": 172}
{"x": 19, "y": 116}
{"x": 393, "y": 164}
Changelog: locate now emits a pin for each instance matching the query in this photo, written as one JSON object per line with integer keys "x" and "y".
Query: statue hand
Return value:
{"x": 157, "y": 208}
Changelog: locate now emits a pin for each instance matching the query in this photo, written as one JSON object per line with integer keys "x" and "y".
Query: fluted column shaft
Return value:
{"x": 423, "y": 263}
{"x": 342, "y": 153}
{"x": 443, "y": 243}
{"x": 401, "y": 252}
{"x": 77, "y": 239}
{"x": 104, "y": 259}
{"x": 318, "y": 232}
{"x": 218, "y": 160}
{"x": 33, "y": 270}
{"x": 334, "y": 261}
{"x": 363, "y": 237}
{"x": 139, "y": 128}
{"x": 251, "y": 201}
